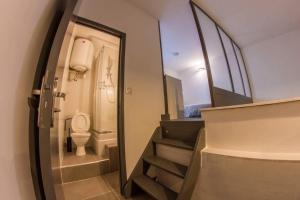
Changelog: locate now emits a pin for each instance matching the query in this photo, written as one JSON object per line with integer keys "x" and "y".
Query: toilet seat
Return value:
{"x": 80, "y": 123}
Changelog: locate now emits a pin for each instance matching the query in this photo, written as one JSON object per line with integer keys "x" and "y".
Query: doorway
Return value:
{"x": 187, "y": 93}
{"x": 85, "y": 124}
{"x": 76, "y": 122}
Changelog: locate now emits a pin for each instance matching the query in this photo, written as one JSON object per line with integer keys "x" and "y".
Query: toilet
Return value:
{"x": 80, "y": 126}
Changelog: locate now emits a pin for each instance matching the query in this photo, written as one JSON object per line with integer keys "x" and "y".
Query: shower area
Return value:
{"x": 105, "y": 97}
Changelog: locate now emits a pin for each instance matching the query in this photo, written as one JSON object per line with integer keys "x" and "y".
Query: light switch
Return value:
{"x": 128, "y": 90}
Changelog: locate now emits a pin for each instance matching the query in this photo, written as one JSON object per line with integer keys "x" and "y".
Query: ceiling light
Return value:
{"x": 201, "y": 69}
{"x": 175, "y": 53}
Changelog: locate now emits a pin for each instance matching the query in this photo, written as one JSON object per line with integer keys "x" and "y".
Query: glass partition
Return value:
{"x": 218, "y": 64}
{"x": 226, "y": 67}
{"x": 243, "y": 70}
{"x": 233, "y": 64}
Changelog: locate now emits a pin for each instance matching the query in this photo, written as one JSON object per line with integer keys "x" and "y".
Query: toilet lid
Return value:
{"x": 80, "y": 122}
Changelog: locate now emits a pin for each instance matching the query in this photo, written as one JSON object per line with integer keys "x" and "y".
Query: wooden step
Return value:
{"x": 154, "y": 189}
{"x": 175, "y": 143}
{"x": 183, "y": 130}
{"x": 174, "y": 168}
{"x": 143, "y": 196}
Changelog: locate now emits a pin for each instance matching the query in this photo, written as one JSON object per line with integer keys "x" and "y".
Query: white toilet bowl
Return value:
{"x": 80, "y": 139}
{"x": 80, "y": 136}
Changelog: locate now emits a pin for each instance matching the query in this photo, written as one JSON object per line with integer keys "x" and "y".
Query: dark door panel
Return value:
{"x": 41, "y": 104}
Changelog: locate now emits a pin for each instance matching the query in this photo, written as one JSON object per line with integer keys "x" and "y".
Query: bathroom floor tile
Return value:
{"x": 112, "y": 180}
{"x": 70, "y": 158}
{"x": 85, "y": 189}
{"x": 104, "y": 187}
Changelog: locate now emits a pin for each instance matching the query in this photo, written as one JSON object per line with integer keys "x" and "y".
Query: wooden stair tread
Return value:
{"x": 143, "y": 196}
{"x": 169, "y": 166}
{"x": 154, "y": 189}
{"x": 174, "y": 143}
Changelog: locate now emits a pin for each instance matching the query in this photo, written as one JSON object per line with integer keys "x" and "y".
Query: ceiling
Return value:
{"x": 178, "y": 33}
{"x": 247, "y": 21}
{"x": 251, "y": 21}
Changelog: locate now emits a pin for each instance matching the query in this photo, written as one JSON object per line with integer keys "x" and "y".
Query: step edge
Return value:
{"x": 163, "y": 168}
{"x": 161, "y": 141}
{"x": 159, "y": 184}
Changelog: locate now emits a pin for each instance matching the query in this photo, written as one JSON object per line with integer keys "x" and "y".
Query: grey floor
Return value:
{"x": 101, "y": 187}
{"x": 105, "y": 187}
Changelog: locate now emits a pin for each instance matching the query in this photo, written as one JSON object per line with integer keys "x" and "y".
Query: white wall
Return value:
{"x": 195, "y": 87}
{"x": 252, "y": 152}
{"x": 274, "y": 67}
{"x": 259, "y": 129}
{"x": 171, "y": 72}
{"x": 23, "y": 27}
{"x": 142, "y": 70}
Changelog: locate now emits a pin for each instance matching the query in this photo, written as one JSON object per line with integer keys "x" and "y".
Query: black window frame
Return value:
{"x": 219, "y": 28}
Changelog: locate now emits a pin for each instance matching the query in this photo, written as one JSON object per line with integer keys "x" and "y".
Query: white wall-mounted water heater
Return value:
{"x": 82, "y": 55}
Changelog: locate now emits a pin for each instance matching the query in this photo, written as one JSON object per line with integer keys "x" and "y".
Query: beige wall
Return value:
{"x": 142, "y": 69}
{"x": 252, "y": 152}
{"x": 273, "y": 67}
{"x": 234, "y": 178}
{"x": 195, "y": 87}
{"x": 262, "y": 129}
{"x": 23, "y": 28}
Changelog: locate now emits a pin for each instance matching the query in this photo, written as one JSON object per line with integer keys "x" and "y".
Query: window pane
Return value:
{"x": 218, "y": 64}
{"x": 233, "y": 64}
{"x": 243, "y": 69}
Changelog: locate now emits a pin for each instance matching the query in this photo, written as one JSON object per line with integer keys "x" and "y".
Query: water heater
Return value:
{"x": 82, "y": 55}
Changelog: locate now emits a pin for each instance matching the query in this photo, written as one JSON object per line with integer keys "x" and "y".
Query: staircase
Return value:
{"x": 169, "y": 167}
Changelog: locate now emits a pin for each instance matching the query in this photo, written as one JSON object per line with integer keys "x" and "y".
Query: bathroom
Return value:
{"x": 87, "y": 114}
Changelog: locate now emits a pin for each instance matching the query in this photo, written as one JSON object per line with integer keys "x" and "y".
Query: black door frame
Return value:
{"x": 166, "y": 115}
{"x": 39, "y": 136}
{"x": 121, "y": 82}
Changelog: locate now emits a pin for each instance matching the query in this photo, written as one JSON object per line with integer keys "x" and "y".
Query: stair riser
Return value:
{"x": 154, "y": 189}
{"x": 171, "y": 181}
{"x": 181, "y": 130}
{"x": 180, "y": 156}
{"x": 81, "y": 172}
